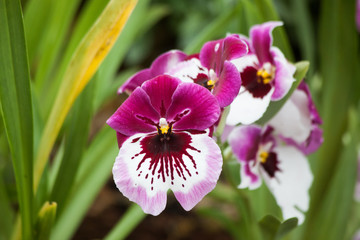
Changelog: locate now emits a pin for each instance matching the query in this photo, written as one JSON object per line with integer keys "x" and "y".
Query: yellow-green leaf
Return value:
{"x": 85, "y": 61}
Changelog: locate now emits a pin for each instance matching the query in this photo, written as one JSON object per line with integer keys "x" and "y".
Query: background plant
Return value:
{"x": 53, "y": 149}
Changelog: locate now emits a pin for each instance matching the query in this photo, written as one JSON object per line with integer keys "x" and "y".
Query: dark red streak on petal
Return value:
{"x": 146, "y": 120}
{"x": 166, "y": 155}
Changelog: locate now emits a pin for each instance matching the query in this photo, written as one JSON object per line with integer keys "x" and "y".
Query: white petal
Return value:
{"x": 291, "y": 184}
{"x": 252, "y": 180}
{"x": 293, "y": 120}
{"x": 245, "y": 61}
{"x": 246, "y": 109}
{"x": 187, "y": 71}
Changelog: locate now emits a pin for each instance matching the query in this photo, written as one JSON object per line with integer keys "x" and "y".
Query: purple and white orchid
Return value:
{"x": 211, "y": 68}
{"x": 165, "y": 144}
{"x": 266, "y": 76}
{"x": 277, "y": 152}
{"x": 284, "y": 169}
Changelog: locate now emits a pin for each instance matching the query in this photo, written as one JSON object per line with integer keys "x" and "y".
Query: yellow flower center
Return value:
{"x": 263, "y": 156}
{"x": 164, "y": 126}
{"x": 210, "y": 84}
{"x": 266, "y": 74}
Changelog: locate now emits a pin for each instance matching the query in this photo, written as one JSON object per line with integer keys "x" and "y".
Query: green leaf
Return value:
{"x": 76, "y": 138}
{"x": 16, "y": 106}
{"x": 87, "y": 17}
{"x": 286, "y": 227}
{"x": 332, "y": 216}
{"x": 6, "y": 211}
{"x": 57, "y": 24}
{"x": 274, "y": 106}
{"x": 273, "y": 229}
{"x": 85, "y": 61}
{"x": 45, "y": 221}
{"x": 214, "y": 29}
{"x": 221, "y": 217}
{"x": 339, "y": 68}
{"x": 127, "y": 223}
{"x": 269, "y": 226}
{"x": 93, "y": 172}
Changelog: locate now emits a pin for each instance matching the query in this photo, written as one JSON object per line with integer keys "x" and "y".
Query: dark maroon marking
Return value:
{"x": 178, "y": 117}
{"x": 166, "y": 155}
{"x": 147, "y": 175}
{"x": 271, "y": 164}
{"x": 182, "y": 185}
{"x": 250, "y": 81}
{"x": 197, "y": 173}
{"x": 135, "y": 140}
{"x": 195, "y": 132}
{"x": 146, "y": 120}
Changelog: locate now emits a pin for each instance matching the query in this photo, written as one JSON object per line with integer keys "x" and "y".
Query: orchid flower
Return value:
{"x": 164, "y": 144}
{"x": 211, "y": 68}
{"x": 284, "y": 169}
{"x": 277, "y": 152}
{"x": 266, "y": 76}
{"x": 221, "y": 75}
{"x": 306, "y": 134}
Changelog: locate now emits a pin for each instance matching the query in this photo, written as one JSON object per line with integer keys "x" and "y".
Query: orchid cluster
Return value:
{"x": 165, "y": 127}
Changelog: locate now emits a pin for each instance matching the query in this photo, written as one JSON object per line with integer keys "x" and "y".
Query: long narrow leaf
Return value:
{"x": 75, "y": 142}
{"x": 16, "y": 105}
{"x": 95, "y": 170}
{"x": 339, "y": 68}
{"x": 6, "y": 212}
{"x": 58, "y": 23}
{"x": 86, "y": 60}
{"x": 127, "y": 223}
{"x": 87, "y": 17}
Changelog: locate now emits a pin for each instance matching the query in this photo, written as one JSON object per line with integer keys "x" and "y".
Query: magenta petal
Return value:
{"x": 312, "y": 143}
{"x": 130, "y": 117}
{"x": 210, "y": 53}
{"x": 284, "y": 75}
{"x": 244, "y": 142}
{"x": 166, "y": 61}
{"x": 121, "y": 138}
{"x": 214, "y": 53}
{"x": 261, "y": 40}
{"x": 197, "y": 106}
{"x": 160, "y": 91}
{"x": 228, "y": 85}
{"x": 135, "y": 81}
{"x": 234, "y": 47}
